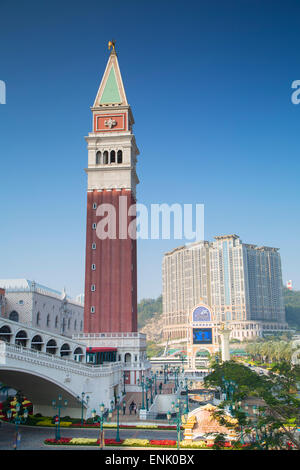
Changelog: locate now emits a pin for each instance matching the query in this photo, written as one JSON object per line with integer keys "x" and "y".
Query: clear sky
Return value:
{"x": 209, "y": 83}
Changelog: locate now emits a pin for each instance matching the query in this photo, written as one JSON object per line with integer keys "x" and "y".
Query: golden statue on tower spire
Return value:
{"x": 112, "y": 46}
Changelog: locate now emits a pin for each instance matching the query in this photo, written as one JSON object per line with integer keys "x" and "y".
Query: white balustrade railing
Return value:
{"x": 25, "y": 354}
{"x": 108, "y": 335}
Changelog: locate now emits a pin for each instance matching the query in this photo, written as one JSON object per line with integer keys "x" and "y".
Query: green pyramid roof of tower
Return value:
{"x": 111, "y": 92}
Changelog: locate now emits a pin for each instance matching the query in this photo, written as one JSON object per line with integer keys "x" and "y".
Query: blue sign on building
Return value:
{"x": 202, "y": 335}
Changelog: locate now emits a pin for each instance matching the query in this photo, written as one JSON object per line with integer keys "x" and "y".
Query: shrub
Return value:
{"x": 45, "y": 422}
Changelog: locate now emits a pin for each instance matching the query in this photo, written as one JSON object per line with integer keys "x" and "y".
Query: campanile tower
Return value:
{"x": 111, "y": 266}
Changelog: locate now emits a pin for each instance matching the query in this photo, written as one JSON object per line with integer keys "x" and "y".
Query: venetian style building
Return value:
{"x": 241, "y": 283}
{"x": 35, "y": 305}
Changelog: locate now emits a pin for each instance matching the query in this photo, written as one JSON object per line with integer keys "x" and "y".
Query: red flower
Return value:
{"x": 112, "y": 442}
{"x": 166, "y": 442}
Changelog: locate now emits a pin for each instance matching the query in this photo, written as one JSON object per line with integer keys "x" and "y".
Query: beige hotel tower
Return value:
{"x": 241, "y": 283}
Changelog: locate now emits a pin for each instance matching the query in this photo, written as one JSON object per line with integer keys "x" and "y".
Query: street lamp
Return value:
{"x": 238, "y": 407}
{"x": 101, "y": 420}
{"x": 165, "y": 370}
{"x": 117, "y": 405}
{"x": 154, "y": 376}
{"x": 124, "y": 380}
{"x": 83, "y": 402}
{"x": 177, "y": 419}
{"x": 141, "y": 383}
{"x": 150, "y": 383}
{"x": 229, "y": 388}
{"x": 146, "y": 393}
{"x": 58, "y": 406}
{"x": 186, "y": 388}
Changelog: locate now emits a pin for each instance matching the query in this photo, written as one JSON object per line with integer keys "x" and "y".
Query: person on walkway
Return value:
{"x": 131, "y": 407}
{"x": 134, "y": 408}
{"x": 124, "y": 407}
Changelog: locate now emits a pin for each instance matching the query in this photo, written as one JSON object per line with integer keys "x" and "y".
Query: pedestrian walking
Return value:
{"x": 124, "y": 408}
{"x": 134, "y": 408}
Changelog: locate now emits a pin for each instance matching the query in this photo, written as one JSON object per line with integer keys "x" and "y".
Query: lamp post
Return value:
{"x": 17, "y": 419}
{"x": 154, "y": 377}
{"x": 141, "y": 383}
{"x": 150, "y": 383}
{"x": 83, "y": 403}
{"x": 229, "y": 388}
{"x": 238, "y": 407}
{"x": 124, "y": 380}
{"x": 186, "y": 388}
{"x": 177, "y": 419}
{"x": 146, "y": 393}
{"x": 101, "y": 420}
{"x": 165, "y": 370}
{"x": 117, "y": 405}
{"x": 58, "y": 405}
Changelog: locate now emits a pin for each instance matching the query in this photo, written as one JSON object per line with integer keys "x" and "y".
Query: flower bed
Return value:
{"x": 86, "y": 441}
{"x": 166, "y": 442}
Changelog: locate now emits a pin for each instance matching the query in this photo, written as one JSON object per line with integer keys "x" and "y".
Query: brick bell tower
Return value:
{"x": 111, "y": 262}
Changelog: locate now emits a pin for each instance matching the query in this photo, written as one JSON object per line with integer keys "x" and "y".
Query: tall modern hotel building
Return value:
{"x": 241, "y": 283}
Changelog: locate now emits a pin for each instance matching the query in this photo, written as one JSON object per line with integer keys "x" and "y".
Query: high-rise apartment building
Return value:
{"x": 241, "y": 283}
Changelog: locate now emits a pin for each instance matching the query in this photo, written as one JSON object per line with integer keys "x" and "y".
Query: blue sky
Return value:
{"x": 209, "y": 83}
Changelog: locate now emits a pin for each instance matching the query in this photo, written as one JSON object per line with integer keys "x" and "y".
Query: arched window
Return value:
{"x": 14, "y": 316}
{"x": 37, "y": 343}
{"x": 21, "y": 338}
{"x": 75, "y": 324}
{"x": 51, "y": 346}
{"x": 5, "y": 333}
{"x": 69, "y": 323}
{"x": 127, "y": 357}
{"x": 48, "y": 320}
{"x": 56, "y": 321}
{"x": 78, "y": 354}
{"x": 120, "y": 156}
{"x": 65, "y": 350}
{"x": 38, "y": 318}
{"x": 98, "y": 158}
{"x": 105, "y": 157}
{"x": 112, "y": 156}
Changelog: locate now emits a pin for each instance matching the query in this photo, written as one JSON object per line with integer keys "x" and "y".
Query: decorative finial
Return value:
{"x": 112, "y": 46}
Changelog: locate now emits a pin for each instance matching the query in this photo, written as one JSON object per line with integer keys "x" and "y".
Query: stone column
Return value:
{"x": 225, "y": 334}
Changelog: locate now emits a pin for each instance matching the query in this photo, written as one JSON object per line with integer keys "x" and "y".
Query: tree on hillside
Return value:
{"x": 147, "y": 308}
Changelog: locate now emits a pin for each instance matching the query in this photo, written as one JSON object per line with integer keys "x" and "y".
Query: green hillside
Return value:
{"x": 147, "y": 308}
{"x": 292, "y": 307}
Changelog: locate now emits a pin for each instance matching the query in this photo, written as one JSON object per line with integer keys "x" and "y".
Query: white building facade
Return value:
{"x": 41, "y": 307}
{"x": 242, "y": 284}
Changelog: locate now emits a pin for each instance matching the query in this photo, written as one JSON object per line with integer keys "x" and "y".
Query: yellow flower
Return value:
{"x": 83, "y": 440}
{"x": 133, "y": 442}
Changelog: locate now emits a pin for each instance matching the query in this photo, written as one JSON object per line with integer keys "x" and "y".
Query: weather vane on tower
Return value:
{"x": 111, "y": 45}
